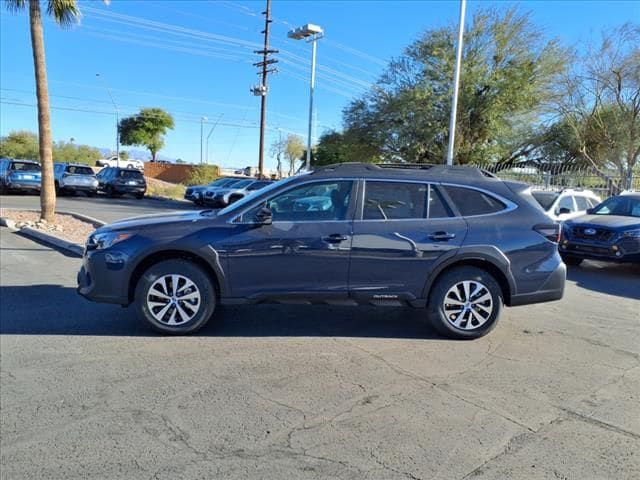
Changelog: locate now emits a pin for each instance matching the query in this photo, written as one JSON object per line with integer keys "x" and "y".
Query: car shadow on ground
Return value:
{"x": 59, "y": 310}
{"x": 621, "y": 280}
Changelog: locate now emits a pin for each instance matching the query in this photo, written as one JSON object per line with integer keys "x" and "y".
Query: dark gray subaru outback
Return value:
{"x": 454, "y": 240}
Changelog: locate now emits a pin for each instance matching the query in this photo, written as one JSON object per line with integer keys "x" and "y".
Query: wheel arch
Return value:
{"x": 159, "y": 256}
{"x": 497, "y": 266}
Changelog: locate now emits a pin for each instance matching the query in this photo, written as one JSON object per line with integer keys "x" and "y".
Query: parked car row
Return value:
{"x": 70, "y": 178}
{"x": 224, "y": 191}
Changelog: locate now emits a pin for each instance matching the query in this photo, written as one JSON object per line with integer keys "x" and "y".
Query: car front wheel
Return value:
{"x": 573, "y": 261}
{"x": 465, "y": 303}
{"x": 175, "y": 297}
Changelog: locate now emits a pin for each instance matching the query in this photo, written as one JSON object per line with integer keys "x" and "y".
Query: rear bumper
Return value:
{"x": 24, "y": 185}
{"x": 80, "y": 188}
{"x": 551, "y": 290}
{"x": 129, "y": 189}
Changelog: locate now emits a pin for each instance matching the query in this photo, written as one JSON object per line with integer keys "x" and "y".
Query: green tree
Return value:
{"x": 147, "y": 129}
{"x": 507, "y": 77}
{"x": 71, "y": 153}
{"x": 599, "y": 103}
{"x": 65, "y": 13}
{"x": 339, "y": 147}
{"x": 292, "y": 148}
{"x": 20, "y": 144}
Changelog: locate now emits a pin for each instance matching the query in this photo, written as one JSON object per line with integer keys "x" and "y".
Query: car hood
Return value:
{"x": 159, "y": 220}
{"x": 198, "y": 188}
{"x": 606, "y": 221}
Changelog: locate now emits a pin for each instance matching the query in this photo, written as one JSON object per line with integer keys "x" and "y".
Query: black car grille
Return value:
{"x": 600, "y": 235}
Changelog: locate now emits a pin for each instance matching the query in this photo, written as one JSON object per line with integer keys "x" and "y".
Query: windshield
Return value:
{"x": 79, "y": 170}
{"x": 25, "y": 167}
{"x": 625, "y": 206}
{"x": 129, "y": 174}
{"x": 222, "y": 182}
{"x": 545, "y": 199}
{"x": 249, "y": 198}
{"x": 242, "y": 183}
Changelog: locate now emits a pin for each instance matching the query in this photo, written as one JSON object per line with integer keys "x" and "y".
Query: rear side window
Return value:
{"x": 395, "y": 200}
{"x": 473, "y": 202}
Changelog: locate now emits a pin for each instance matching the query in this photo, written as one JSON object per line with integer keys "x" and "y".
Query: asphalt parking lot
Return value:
{"x": 313, "y": 393}
{"x": 100, "y": 207}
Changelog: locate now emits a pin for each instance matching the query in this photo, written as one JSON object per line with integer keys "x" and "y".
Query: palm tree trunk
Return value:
{"x": 47, "y": 192}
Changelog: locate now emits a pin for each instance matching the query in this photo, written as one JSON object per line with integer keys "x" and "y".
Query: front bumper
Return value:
{"x": 100, "y": 280}
{"x": 625, "y": 250}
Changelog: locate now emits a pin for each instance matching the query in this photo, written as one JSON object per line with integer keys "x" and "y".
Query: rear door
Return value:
{"x": 400, "y": 230}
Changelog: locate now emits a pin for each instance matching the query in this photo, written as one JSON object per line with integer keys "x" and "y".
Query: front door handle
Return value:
{"x": 441, "y": 236}
{"x": 335, "y": 238}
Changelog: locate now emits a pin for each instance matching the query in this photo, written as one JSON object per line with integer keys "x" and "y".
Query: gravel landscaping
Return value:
{"x": 66, "y": 227}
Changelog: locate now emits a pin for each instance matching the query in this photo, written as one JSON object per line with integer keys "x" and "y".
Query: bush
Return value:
{"x": 203, "y": 174}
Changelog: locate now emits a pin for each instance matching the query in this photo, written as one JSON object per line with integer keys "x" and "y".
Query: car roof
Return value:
{"x": 22, "y": 160}
{"x": 406, "y": 171}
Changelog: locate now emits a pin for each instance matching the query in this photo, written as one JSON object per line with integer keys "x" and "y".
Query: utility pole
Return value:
{"x": 115, "y": 106}
{"x": 206, "y": 157}
{"x": 202, "y": 120}
{"x": 261, "y": 90}
{"x": 456, "y": 85}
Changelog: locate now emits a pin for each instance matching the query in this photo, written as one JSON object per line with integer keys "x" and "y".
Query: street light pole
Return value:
{"x": 312, "y": 33}
{"x": 117, "y": 118}
{"x": 202, "y": 120}
{"x": 210, "y": 132}
{"x": 456, "y": 85}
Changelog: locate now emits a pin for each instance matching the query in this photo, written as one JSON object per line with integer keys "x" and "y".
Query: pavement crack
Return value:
{"x": 599, "y": 423}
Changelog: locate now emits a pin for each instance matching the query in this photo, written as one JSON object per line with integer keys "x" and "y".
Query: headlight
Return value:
{"x": 99, "y": 241}
{"x": 631, "y": 233}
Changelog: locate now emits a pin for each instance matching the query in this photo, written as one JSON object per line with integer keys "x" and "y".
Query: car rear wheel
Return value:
{"x": 573, "y": 261}
{"x": 139, "y": 195}
{"x": 175, "y": 297}
{"x": 465, "y": 303}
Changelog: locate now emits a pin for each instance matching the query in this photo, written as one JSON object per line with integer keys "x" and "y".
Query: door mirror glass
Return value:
{"x": 589, "y": 211}
{"x": 264, "y": 216}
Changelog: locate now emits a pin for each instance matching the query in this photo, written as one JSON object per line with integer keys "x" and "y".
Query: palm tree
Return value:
{"x": 65, "y": 13}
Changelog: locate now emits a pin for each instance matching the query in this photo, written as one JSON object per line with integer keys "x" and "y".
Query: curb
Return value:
{"x": 49, "y": 239}
{"x": 70, "y": 247}
{"x": 169, "y": 199}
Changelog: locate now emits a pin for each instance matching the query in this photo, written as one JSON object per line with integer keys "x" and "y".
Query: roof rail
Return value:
{"x": 417, "y": 166}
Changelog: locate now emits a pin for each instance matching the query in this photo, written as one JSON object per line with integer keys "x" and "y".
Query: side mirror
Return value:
{"x": 590, "y": 211}
{"x": 563, "y": 211}
{"x": 264, "y": 216}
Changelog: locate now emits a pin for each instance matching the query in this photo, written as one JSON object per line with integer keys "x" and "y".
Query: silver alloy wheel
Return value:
{"x": 468, "y": 305}
{"x": 173, "y": 299}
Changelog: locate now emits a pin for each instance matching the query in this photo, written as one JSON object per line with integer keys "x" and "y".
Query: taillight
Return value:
{"x": 549, "y": 231}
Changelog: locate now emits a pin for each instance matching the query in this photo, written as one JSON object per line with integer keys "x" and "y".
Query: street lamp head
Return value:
{"x": 305, "y": 31}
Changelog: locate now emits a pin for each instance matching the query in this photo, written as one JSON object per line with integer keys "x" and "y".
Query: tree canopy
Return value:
{"x": 24, "y": 144}
{"x": 507, "y": 78}
{"x": 147, "y": 128}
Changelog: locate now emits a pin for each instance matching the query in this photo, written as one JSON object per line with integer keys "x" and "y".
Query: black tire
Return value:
{"x": 110, "y": 192}
{"x": 59, "y": 192}
{"x": 139, "y": 196}
{"x": 188, "y": 270}
{"x": 3, "y": 189}
{"x": 572, "y": 261}
{"x": 436, "y": 307}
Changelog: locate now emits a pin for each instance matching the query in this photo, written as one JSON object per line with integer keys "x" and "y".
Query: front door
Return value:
{"x": 402, "y": 229}
{"x": 304, "y": 254}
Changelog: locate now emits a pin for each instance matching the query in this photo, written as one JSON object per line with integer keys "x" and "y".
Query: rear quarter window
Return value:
{"x": 472, "y": 202}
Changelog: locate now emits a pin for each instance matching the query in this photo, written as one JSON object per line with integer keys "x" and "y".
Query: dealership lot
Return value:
{"x": 321, "y": 392}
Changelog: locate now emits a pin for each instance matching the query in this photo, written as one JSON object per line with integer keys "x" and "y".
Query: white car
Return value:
{"x": 630, "y": 192}
{"x": 113, "y": 162}
{"x": 566, "y": 204}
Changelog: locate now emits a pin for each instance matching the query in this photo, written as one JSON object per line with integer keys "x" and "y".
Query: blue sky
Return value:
{"x": 193, "y": 58}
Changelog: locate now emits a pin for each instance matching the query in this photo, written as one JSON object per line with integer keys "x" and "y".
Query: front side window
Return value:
{"x": 566, "y": 202}
{"x": 472, "y": 202}
{"x": 320, "y": 201}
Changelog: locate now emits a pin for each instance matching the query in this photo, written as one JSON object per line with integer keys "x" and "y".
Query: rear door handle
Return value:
{"x": 440, "y": 236}
{"x": 335, "y": 238}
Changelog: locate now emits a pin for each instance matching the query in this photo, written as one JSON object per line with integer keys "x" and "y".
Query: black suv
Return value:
{"x": 454, "y": 240}
{"x": 116, "y": 181}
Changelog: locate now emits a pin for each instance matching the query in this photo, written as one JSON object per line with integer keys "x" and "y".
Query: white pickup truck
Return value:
{"x": 113, "y": 162}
